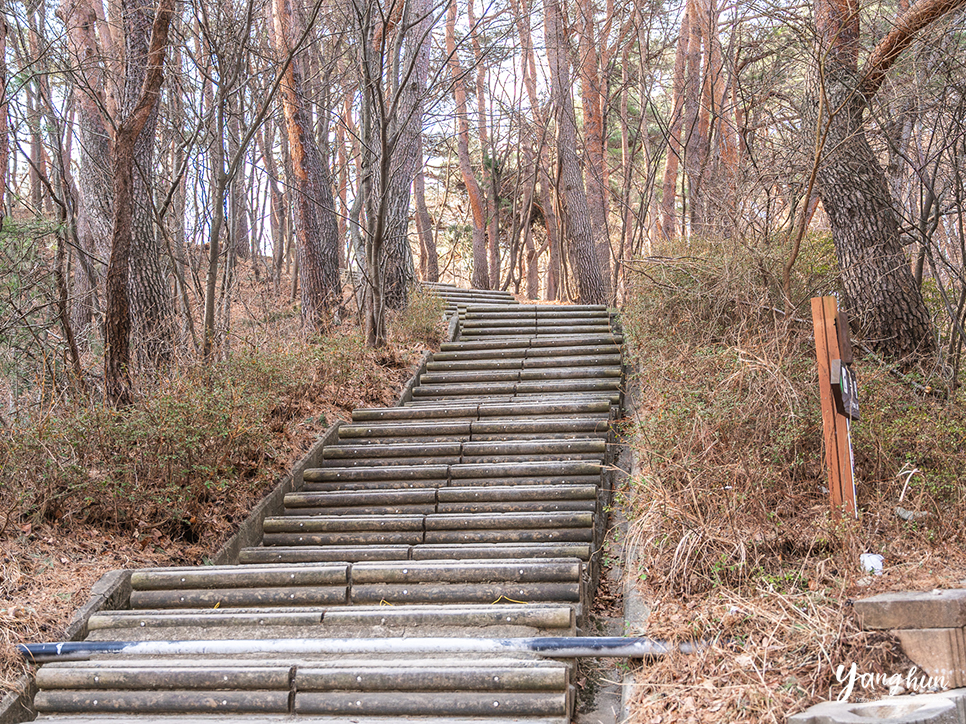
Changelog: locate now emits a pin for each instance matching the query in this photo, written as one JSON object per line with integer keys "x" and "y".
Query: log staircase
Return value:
{"x": 473, "y": 511}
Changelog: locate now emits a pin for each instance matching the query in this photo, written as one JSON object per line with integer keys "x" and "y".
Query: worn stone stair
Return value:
{"x": 474, "y": 510}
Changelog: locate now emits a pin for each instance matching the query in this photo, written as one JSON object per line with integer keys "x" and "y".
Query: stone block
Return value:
{"x": 946, "y": 708}
{"x": 941, "y": 608}
{"x": 940, "y": 652}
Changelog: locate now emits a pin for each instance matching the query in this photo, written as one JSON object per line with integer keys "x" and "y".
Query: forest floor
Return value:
{"x": 730, "y": 515}
{"x": 211, "y": 440}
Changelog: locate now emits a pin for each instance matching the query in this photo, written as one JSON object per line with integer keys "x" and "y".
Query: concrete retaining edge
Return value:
{"x": 636, "y": 609}
{"x": 113, "y": 590}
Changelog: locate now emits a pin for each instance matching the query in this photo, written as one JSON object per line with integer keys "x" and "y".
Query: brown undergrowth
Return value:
{"x": 85, "y": 488}
{"x": 730, "y": 517}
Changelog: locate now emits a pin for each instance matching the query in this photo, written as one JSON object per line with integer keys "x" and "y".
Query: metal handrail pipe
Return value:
{"x": 555, "y": 647}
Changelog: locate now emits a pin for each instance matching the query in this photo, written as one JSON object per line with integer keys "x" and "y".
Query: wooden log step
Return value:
{"x": 612, "y": 396}
{"x": 408, "y": 473}
{"x": 516, "y": 364}
{"x": 554, "y": 570}
{"x": 570, "y": 307}
{"x": 527, "y": 527}
{"x": 581, "y": 350}
{"x": 538, "y": 616}
{"x": 605, "y": 342}
{"x": 392, "y": 498}
{"x": 362, "y": 509}
{"x": 564, "y": 448}
{"x": 430, "y": 678}
{"x": 437, "y": 428}
{"x": 516, "y": 494}
{"x": 474, "y": 551}
{"x": 428, "y": 451}
{"x": 239, "y": 597}
{"x": 542, "y": 616}
{"x": 531, "y": 522}
{"x": 476, "y": 704}
{"x": 146, "y": 675}
{"x": 342, "y": 538}
{"x": 514, "y": 388}
{"x": 461, "y": 298}
{"x": 457, "y": 452}
{"x": 360, "y": 459}
{"x": 485, "y": 322}
{"x": 446, "y": 411}
{"x": 603, "y": 360}
{"x": 545, "y": 409}
{"x": 504, "y": 363}
{"x": 445, "y": 500}
{"x": 546, "y": 472}
{"x": 160, "y": 702}
{"x": 149, "y": 579}
{"x": 308, "y": 553}
{"x": 442, "y": 593}
{"x": 522, "y": 374}
{"x": 537, "y": 311}
{"x": 313, "y": 554}
{"x": 379, "y": 436}
{"x": 384, "y": 524}
{"x": 204, "y": 618}
{"x": 559, "y": 330}
{"x": 535, "y": 325}
{"x": 344, "y": 523}
{"x": 477, "y": 296}
{"x": 492, "y": 473}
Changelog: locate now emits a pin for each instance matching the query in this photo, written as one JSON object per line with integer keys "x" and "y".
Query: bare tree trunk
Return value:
{"x": 428, "y": 258}
{"x": 522, "y": 13}
{"x": 149, "y": 298}
{"x": 279, "y": 209}
{"x": 593, "y": 94}
{"x": 95, "y": 210}
{"x": 398, "y": 264}
{"x": 117, "y": 324}
{"x": 481, "y": 277}
{"x": 576, "y": 217}
{"x": 490, "y": 171}
{"x": 240, "y": 240}
{"x": 880, "y": 289}
{"x": 342, "y": 181}
{"x": 315, "y": 226}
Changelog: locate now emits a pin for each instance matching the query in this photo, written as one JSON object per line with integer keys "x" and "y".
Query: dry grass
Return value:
{"x": 729, "y": 514}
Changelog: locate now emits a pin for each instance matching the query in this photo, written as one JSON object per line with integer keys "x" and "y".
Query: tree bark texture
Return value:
{"x": 581, "y": 245}
{"x": 94, "y": 212}
{"x": 149, "y": 294}
{"x": 407, "y": 125}
{"x": 675, "y": 148}
{"x": 593, "y": 98}
{"x": 428, "y": 257}
{"x": 312, "y": 200}
{"x": 490, "y": 170}
{"x": 480, "y": 278}
{"x": 117, "y": 322}
{"x": 880, "y": 289}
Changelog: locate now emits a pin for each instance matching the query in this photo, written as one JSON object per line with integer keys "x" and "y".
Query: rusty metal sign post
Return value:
{"x": 840, "y": 405}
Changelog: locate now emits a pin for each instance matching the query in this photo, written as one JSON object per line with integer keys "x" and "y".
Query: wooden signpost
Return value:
{"x": 836, "y": 382}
